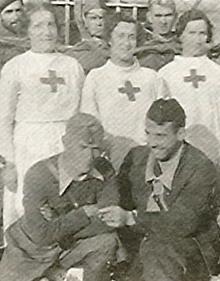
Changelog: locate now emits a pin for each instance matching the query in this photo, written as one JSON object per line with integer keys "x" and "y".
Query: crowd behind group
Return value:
{"x": 110, "y": 148}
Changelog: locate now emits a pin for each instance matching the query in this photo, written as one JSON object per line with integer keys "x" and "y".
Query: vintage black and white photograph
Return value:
{"x": 109, "y": 140}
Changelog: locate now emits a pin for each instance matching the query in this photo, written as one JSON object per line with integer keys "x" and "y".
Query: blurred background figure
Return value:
{"x": 12, "y": 17}
{"x": 92, "y": 51}
{"x": 13, "y": 40}
{"x": 161, "y": 42}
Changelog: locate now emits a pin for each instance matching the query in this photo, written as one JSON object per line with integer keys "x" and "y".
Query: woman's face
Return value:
{"x": 42, "y": 31}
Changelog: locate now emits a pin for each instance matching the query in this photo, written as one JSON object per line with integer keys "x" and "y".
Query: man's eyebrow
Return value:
{"x": 9, "y": 11}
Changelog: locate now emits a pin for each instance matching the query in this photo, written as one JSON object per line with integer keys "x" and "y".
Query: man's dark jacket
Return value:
{"x": 172, "y": 241}
{"x": 156, "y": 53}
{"x": 11, "y": 45}
{"x": 35, "y": 243}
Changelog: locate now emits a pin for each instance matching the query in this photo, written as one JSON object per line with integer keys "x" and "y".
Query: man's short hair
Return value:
{"x": 165, "y": 3}
{"x": 116, "y": 18}
{"x": 167, "y": 110}
{"x": 193, "y": 15}
{"x": 86, "y": 127}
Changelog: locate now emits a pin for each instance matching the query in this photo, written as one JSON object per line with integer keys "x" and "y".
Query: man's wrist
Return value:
{"x": 90, "y": 210}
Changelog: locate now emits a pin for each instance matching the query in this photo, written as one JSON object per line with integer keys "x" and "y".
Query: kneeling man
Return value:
{"x": 60, "y": 227}
{"x": 171, "y": 186}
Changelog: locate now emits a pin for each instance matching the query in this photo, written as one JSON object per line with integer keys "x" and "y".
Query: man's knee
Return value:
{"x": 101, "y": 247}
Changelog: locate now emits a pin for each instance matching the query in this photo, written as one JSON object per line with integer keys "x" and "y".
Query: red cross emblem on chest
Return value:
{"x": 194, "y": 78}
{"x": 129, "y": 90}
{"x": 53, "y": 81}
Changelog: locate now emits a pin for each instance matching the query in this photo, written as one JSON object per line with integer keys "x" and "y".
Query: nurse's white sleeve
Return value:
{"x": 9, "y": 92}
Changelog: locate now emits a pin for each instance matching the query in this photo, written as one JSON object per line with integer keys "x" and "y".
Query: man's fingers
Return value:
{"x": 114, "y": 225}
{"x": 104, "y": 210}
{"x": 107, "y": 210}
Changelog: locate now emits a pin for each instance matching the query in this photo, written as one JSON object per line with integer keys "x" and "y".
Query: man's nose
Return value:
{"x": 200, "y": 38}
{"x": 46, "y": 31}
{"x": 153, "y": 141}
{"x": 127, "y": 42}
{"x": 163, "y": 20}
{"x": 15, "y": 15}
{"x": 100, "y": 22}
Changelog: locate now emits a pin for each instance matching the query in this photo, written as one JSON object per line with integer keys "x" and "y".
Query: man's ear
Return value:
{"x": 181, "y": 133}
{"x": 85, "y": 22}
{"x": 149, "y": 17}
{"x": 175, "y": 18}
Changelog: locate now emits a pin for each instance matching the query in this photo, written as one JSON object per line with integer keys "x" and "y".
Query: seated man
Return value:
{"x": 59, "y": 228}
{"x": 167, "y": 192}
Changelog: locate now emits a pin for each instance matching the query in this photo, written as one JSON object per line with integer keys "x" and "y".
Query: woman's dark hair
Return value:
{"x": 115, "y": 19}
{"x": 193, "y": 15}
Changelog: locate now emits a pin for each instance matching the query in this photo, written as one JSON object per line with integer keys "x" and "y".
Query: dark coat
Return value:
{"x": 34, "y": 243}
{"x": 172, "y": 241}
{"x": 156, "y": 53}
{"x": 11, "y": 45}
{"x": 90, "y": 53}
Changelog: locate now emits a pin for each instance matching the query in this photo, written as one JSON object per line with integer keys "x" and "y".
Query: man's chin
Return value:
{"x": 46, "y": 48}
{"x": 160, "y": 155}
{"x": 164, "y": 32}
{"x": 98, "y": 34}
{"x": 13, "y": 28}
{"x": 128, "y": 59}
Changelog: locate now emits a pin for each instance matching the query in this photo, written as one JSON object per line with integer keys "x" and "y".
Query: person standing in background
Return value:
{"x": 161, "y": 42}
{"x": 193, "y": 79}
{"x": 92, "y": 51}
{"x": 13, "y": 38}
{"x": 39, "y": 91}
{"x": 119, "y": 92}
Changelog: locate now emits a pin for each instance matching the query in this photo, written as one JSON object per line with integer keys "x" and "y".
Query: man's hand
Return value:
{"x": 91, "y": 210}
{"x": 115, "y": 216}
{"x": 47, "y": 212}
{"x": 9, "y": 177}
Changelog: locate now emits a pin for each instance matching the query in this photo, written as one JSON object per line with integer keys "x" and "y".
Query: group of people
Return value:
{"x": 109, "y": 148}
